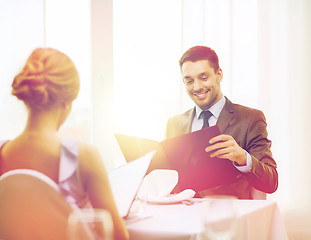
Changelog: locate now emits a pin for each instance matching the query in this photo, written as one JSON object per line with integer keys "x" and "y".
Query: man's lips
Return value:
{"x": 201, "y": 95}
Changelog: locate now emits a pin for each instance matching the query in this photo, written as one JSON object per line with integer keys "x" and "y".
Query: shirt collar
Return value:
{"x": 215, "y": 109}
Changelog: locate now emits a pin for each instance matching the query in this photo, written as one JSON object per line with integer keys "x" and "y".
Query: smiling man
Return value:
{"x": 244, "y": 135}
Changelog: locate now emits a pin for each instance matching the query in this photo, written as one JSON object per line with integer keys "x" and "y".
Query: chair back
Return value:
{"x": 31, "y": 207}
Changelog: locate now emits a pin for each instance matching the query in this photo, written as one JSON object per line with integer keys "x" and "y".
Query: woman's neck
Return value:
{"x": 43, "y": 121}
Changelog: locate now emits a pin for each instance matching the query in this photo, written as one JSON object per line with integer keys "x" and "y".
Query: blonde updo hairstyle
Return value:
{"x": 48, "y": 76}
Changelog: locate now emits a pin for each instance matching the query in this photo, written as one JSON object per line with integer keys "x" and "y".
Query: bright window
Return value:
{"x": 147, "y": 82}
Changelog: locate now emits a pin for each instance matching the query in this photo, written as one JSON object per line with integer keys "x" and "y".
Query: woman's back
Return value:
{"x": 32, "y": 151}
{"x": 57, "y": 159}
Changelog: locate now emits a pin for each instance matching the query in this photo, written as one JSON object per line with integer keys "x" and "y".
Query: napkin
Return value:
{"x": 158, "y": 185}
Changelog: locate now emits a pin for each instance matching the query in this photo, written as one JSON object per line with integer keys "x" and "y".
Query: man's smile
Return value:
{"x": 201, "y": 95}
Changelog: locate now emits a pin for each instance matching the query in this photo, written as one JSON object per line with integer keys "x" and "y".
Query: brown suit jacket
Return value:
{"x": 248, "y": 127}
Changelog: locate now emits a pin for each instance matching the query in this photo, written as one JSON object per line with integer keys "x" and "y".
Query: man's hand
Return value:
{"x": 226, "y": 147}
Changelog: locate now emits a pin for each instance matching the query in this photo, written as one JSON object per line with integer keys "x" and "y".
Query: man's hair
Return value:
{"x": 198, "y": 53}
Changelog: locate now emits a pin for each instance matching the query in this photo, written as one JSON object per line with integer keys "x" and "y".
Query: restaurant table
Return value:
{"x": 256, "y": 219}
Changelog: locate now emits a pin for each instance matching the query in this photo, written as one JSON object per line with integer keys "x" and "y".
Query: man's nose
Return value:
{"x": 197, "y": 85}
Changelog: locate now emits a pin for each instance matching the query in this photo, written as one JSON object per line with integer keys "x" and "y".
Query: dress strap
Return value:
{"x": 68, "y": 159}
{"x": 70, "y": 183}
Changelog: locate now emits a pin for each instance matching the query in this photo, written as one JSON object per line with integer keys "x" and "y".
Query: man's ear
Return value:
{"x": 219, "y": 75}
{"x": 66, "y": 105}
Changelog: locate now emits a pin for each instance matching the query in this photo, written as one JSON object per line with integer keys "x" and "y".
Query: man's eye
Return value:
{"x": 189, "y": 81}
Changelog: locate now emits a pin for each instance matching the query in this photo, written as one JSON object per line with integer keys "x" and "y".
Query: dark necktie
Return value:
{"x": 205, "y": 115}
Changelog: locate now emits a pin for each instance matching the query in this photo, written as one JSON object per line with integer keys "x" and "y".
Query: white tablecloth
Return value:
{"x": 257, "y": 219}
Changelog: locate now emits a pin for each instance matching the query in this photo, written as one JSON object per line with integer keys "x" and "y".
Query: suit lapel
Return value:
{"x": 225, "y": 116}
{"x": 187, "y": 121}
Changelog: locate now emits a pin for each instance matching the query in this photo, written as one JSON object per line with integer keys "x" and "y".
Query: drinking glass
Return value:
{"x": 219, "y": 216}
{"x": 90, "y": 224}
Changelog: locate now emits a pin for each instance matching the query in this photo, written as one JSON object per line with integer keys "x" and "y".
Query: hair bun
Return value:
{"x": 29, "y": 85}
{"x": 31, "y": 89}
{"x": 48, "y": 76}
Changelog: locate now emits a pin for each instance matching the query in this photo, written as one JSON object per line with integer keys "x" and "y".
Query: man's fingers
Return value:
{"x": 220, "y": 138}
{"x": 226, "y": 152}
{"x": 215, "y": 146}
{"x": 220, "y": 152}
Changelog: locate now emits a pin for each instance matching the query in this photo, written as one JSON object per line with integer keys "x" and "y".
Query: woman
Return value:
{"x": 48, "y": 84}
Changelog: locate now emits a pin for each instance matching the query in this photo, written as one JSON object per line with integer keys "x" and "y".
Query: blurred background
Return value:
{"x": 127, "y": 55}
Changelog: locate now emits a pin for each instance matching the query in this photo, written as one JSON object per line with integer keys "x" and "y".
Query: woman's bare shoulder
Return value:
{"x": 87, "y": 149}
{"x": 89, "y": 156}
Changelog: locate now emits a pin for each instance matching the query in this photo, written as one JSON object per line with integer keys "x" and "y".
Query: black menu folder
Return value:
{"x": 186, "y": 154}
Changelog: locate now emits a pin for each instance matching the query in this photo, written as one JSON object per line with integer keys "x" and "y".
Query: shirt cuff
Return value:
{"x": 246, "y": 168}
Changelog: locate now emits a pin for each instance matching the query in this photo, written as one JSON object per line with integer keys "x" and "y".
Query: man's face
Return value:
{"x": 202, "y": 83}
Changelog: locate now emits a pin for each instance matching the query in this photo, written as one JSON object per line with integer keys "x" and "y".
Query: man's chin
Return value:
{"x": 203, "y": 106}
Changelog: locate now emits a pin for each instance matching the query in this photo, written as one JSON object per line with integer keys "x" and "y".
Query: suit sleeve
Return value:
{"x": 263, "y": 175}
